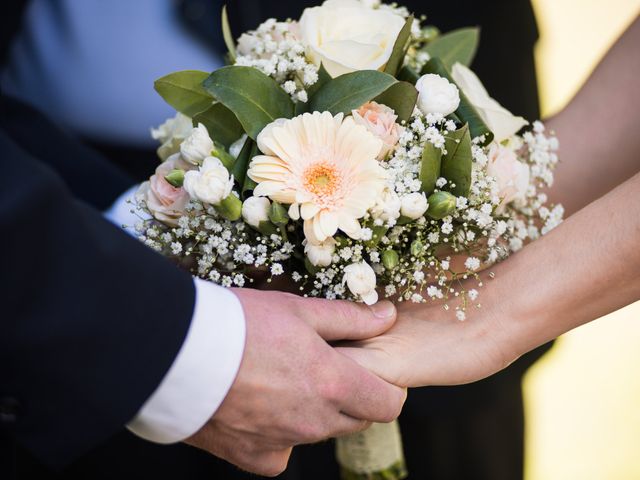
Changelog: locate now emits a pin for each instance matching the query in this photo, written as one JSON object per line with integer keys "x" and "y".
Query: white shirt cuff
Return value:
{"x": 202, "y": 373}
{"x": 123, "y": 211}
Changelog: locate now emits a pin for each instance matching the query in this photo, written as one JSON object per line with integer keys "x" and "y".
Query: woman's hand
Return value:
{"x": 429, "y": 346}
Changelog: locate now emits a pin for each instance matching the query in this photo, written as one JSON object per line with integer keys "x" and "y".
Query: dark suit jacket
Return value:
{"x": 91, "y": 319}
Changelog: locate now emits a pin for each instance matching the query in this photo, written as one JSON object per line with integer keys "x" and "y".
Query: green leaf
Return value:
{"x": 430, "y": 167}
{"x": 456, "y": 164}
{"x": 466, "y": 112}
{"x": 350, "y": 91}
{"x": 221, "y": 123}
{"x": 402, "y": 97}
{"x": 249, "y": 150}
{"x": 252, "y": 96}
{"x": 228, "y": 36}
{"x": 399, "y": 48}
{"x": 183, "y": 91}
{"x": 456, "y": 46}
{"x": 408, "y": 74}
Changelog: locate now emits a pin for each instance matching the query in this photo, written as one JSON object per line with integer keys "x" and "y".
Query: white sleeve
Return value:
{"x": 123, "y": 211}
{"x": 202, "y": 373}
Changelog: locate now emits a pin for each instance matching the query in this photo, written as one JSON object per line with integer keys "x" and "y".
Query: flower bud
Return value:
{"x": 197, "y": 146}
{"x": 278, "y": 214}
{"x": 414, "y": 205}
{"x": 437, "y": 95}
{"x": 175, "y": 177}
{"x": 361, "y": 280}
{"x": 230, "y": 208}
{"x": 441, "y": 204}
{"x": 417, "y": 247}
{"x": 225, "y": 157}
{"x": 256, "y": 210}
{"x": 390, "y": 259}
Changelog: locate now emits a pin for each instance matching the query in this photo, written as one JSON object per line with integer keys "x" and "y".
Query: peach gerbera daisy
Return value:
{"x": 324, "y": 167}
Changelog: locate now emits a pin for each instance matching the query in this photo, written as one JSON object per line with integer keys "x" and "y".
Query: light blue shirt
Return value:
{"x": 90, "y": 64}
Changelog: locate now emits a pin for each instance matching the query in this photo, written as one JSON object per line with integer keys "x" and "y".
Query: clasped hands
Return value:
{"x": 293, "y": 387}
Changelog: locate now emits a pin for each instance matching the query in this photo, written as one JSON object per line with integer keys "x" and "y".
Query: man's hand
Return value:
{"x": 293, "y": 387}
{"x": 429, "y": 346}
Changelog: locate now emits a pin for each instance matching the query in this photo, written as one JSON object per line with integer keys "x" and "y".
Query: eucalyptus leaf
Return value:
{"x": 466, "y": 112}
{"x": 399, "y": 48}
{"x": 456, "y": 164}
{"x": 456, "y": 46}
{"x": 350, "y": 91}
{"x": 408, "y": 74}
{"x": 183, "y": 91}
{"x": 254, "y": 98}
{"x": 228, "y": 36}
{"x": 430, "y": 167}
{"x": 221, "y": 123}
{"x": 402, "y": 97}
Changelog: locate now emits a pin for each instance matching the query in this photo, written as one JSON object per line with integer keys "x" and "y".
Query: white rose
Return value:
{"x": 321, "y": 255}
{"x": 265, "y": 133}
{"x": 345, "y": 36}
{"x": 361, "y": 280}
{"x": 211, "y": 183}
{"x": 197, "y": 146}
{"x": 500, "y": 121}
{"x": 387, "y": 207}
{"x": 414, "y": 205}
{"x": 256, "y": 210}
{"x": 512, "y": 175}
{"x": 437, "y": 95}
{"x": 171, "y": 134}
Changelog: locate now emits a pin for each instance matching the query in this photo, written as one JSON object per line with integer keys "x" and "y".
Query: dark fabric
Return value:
{"x": 91, "y": 318}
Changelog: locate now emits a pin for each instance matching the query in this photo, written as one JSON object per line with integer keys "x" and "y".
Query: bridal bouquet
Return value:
{"x": 354, "y": 153}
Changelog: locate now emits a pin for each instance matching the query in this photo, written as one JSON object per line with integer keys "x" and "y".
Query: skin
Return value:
{"x": 585, "y": 268}
{"x": 292, "y": 386}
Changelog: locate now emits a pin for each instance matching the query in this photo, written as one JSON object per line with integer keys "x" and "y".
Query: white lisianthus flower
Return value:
{"x": 325, "y": 168}
{"x": 414, "y": 205}
{"x": 387, "y": 207}
{"x": 436, "y": 94}
{"x": 361, "y": 280}
{"x": 320, "y": 255}
{"x": 512, "y": 175}
{"x": 211, "y": 183}
{"x": 346, "y": 35}
{"x": 197, "y": 146}
{"x": 500, "y": 121}
{"x": 266, "y": 132}
{"x": 256, "y": 210}
{"x": 171, "y": 134}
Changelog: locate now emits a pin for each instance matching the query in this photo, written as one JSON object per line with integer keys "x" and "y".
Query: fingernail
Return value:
{"x": 384, "y": 309}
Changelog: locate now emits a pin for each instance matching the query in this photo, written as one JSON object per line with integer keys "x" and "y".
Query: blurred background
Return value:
{"x": 582, "y": 399}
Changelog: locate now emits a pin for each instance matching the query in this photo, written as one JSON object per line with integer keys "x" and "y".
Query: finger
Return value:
{"x": 374, "y": 361}
{"x": 366, "y": 396}
{"x": 270, "y": 463}
{"x": 343, "y": 320}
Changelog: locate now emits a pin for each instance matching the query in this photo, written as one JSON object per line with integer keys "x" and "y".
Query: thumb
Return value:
{"x": 343, "y": 320}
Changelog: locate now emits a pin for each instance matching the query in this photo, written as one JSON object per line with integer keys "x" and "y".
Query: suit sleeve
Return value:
{"x": 91, "y": 319}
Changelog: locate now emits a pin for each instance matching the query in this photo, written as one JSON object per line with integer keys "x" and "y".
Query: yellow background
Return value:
{"x": 583, "y": 399}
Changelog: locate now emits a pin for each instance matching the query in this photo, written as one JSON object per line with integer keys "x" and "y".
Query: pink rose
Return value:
{"x": 166, "y": 202}
{"x": 381, "y": 121}
{"x": 511, "y": 174}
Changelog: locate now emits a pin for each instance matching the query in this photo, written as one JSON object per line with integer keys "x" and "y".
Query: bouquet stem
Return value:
{"x": 373, "y": 454}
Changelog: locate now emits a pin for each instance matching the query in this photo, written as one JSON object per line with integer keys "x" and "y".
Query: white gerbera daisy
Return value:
{"x": 324, "y": 167}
